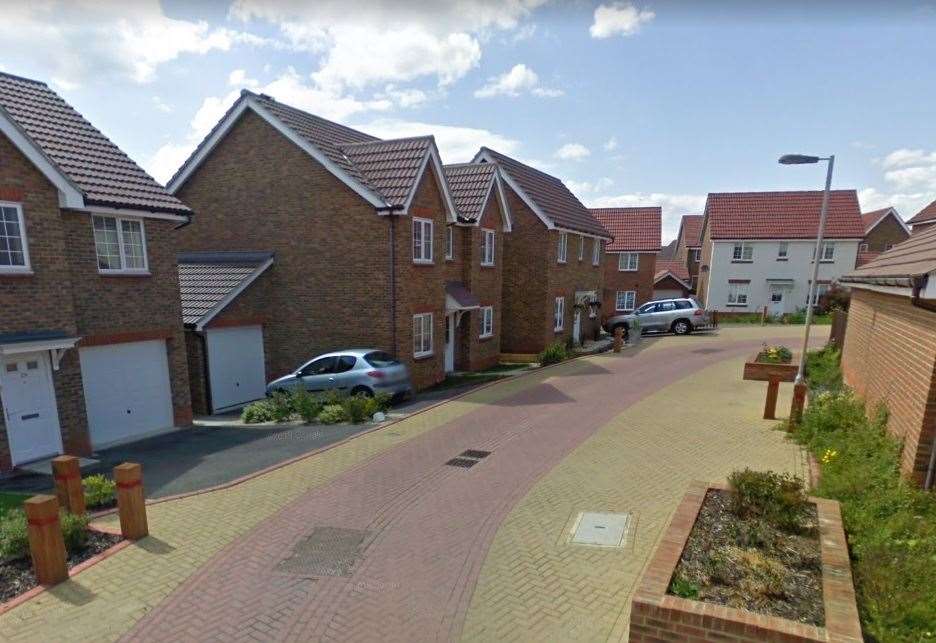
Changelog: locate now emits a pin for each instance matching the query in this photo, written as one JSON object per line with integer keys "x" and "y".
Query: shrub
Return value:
{"x": 14, "y": 541}
{"x": 775, "y": 355}
{"x": 332, "y": 414}
{"x": 778, "y": 498}
{"x": 799, "y": 317}
{"x": 358, "y": 408}
{"x": 74, "y": 531}
{"x": 684, "y": 588}
{"x": 835, "y": 298}
{"x": 822, "y": 370}
{"x": 306, "y": 405}
{"x": 382, "y": 402}
{"x": 553, "y": 354}
{"x": 281, "y": 406}
{"x": 257, "y": 412}
{"x": 99, "y": 490}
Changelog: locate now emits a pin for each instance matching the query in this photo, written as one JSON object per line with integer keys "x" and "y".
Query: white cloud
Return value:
{"x": 673, "y": 206}
{"x": 456, "y": 144}
{"x": 589, "y": 187}
{"x": 524, "y": 33}
{"x": 611, "y": 144}
{"x": 517, "y": 80}
{"x": 906, "y": 203}
{"x": 238, "y": 78}
{"x": 74, "y": 40}
{"x": 572, "y": 152}
{"x": 162, "y": 105}
{"x": 905, "y": 157}
{"x": 619, "y": 18}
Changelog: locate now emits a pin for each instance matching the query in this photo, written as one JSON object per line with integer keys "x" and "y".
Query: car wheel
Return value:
{"x": 681, "y": 327}
{"x": 362, "y": 390}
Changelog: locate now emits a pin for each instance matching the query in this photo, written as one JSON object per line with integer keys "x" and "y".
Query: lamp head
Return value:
{"x": 798, "y": 159}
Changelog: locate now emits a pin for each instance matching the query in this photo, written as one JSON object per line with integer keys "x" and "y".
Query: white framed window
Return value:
{"x": 487, "y": 321}
{"x": 783, "y": 251}
{"x": 487, "y": 247}
{"x": 625, "y": 300}
{"x": 120, "y": 244}
{"x": 864, "y": 247}
{"x": 559, "y": 314}
{"x": 696, "y": 254}
{"x": 581, "y": 247}
{"x": 449, "y": 242}
{"x": 422, "y": 335}
{"x": 596, "y": 251}
{"x": 828, "y": 252}
{"x": 14, "y": 253}
{"x": 563, "y": 247}
{"x": 422, "y": 240}
{"x": 887, "y": 246}
{"x": 628, "y": 261}
{"x": 738, "y": 293}
{"x": 742, "y": 251}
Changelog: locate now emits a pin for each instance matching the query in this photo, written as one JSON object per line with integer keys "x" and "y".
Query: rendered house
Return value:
{"x": 553, "y": 273}
{"x": 889, "y": 353}
{"x": 884, "y": 229}
{"x": 91, "y": 352}
{"x": 757, "y": 248}
{"x": 357, "y": 230}
{"x": 689, "y": 246}
{"x": 924, "y": 219}
{"x": 630, "y": 259}
{"x": 671, "y": 280}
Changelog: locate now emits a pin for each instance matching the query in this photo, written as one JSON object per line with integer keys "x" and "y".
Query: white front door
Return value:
{"x": 775, "y": 307}
{"x": 236, "y": 371}
{"x": 29, "y": 406}
{"x": 449, "y": 343}
{"x": 577, "y": 327}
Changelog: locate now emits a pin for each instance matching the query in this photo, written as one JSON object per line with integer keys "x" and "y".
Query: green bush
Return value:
{"x": 822, "y": 370}
{"x": 99, "y": 490}
{"x": 684, "y": 588}
{"x": 281, "y": 405}
{"x": 778, "y": 498}
{"x": 14, "y": 541}
{"x": 775, "y": 355}
{"x": 257, "y": 412}
{"x": 333, "y": 414}
{"x": 74, "y": 531}
{"x": 382, "y": 402}
{"x": 358, "y": 408}
{"x": 306, "y": 405}
{"x": 554, "y": 353}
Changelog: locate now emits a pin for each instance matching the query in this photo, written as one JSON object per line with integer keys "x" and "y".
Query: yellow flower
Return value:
{"x": 829, "y": 456}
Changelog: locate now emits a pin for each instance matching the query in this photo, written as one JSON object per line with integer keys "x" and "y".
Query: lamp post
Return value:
{"x": 799, "y": 389}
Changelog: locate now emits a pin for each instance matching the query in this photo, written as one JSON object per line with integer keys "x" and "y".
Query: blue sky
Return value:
{"x": 629, "y": 102}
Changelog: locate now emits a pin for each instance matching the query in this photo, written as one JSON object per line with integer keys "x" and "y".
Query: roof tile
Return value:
{"x": 690, "y": 228}
{"x": 926, "y": 214}
{"x": 635, "y": 229}
{"x": 206, "y": 278}
{"x": 912, "y": 258}
{"x": 470, "y": 184}
{"x": 782, "y": 215}
{"x": 678, "y": 268}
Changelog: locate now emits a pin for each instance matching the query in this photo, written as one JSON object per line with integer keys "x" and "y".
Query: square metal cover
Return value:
{"x": 601, "y": 529}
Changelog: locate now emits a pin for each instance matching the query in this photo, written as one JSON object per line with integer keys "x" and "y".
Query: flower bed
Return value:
{"x": 771, "y": 363}
{"x": 774, "y": 355}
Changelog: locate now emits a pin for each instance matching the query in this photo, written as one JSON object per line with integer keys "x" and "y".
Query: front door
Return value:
{"x": 775, "y": 307}
{"x": 29, "y": 407}
{"x": 449, "y": 343}
{"x": 577, "y": 327}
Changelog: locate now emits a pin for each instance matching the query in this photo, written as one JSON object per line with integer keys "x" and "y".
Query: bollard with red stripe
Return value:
{"x": 67, "y": 475}
{"x": 130, "y": 503}
{"x": 46, "y": 545}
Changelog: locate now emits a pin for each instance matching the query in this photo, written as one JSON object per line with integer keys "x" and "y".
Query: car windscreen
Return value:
{"x": 380, "y": 359}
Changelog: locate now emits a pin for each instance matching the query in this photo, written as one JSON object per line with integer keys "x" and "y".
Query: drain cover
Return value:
{"x": 326, "y": 551}
{"x": 601, "y": 529}
{"x": 464, "y": 463}
{"x": 474, "y": 453}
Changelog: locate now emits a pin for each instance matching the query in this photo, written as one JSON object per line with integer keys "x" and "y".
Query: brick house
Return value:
{"x": 689, "y": 246}
{"x": 884, "y": 229}
{"x": 889, "y": 353}
{"x": 629, "y": 263}
{"x": 553, "y": 275}
{"x": 91, "y": 352}
{"x": 671, "y": 280}
{"x": 357, "y": 228}
{"x": 758, "y": 247}
{"x": 924, "y": 219}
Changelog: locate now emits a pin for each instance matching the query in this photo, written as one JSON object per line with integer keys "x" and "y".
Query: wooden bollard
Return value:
{"x": 618, "y": 339}
{"x": 66, "y": 472}
{"x": 130, "y": 503}
{"x": 770, "y": 404}
{"x": 46, "y": 545}
{"x": 799, "y": 402}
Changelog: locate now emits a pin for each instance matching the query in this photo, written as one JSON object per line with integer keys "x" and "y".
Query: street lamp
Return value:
{"x": 802, "y": 159}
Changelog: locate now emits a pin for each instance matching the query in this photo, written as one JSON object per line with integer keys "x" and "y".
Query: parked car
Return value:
{"x": 353, "y": 371}
{"x": 679, "y": 316}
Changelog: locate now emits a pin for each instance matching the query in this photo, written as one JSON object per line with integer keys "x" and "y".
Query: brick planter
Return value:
{"x": 658, "y": 616}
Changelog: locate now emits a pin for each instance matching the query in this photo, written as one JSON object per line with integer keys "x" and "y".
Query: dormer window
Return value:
{"x": 14, "y": 255}
{"x": 120, "y": 245}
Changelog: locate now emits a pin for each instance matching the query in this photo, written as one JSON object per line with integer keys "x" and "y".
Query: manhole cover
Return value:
{"x": 464, "y": 463}
{"x": 326, "y": 551}
{"x": 601, "y": 529}
{"x": 474, "y": 453}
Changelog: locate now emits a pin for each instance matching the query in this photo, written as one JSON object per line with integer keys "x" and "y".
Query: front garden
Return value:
{"x": 331, "y": 407}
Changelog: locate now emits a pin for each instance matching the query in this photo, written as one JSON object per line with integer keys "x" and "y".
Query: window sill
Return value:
{"x": 125, "y": 273}
{"x": 484, "y": 338}
{"x": 742, "y": 261}
{"x": 736, "y": 305}
{"x": 827, "y": 261}
{"x": 422, "y": 356}
{"x": 562, "y": 263}
{"x": 628, "y": 270}
{"x": 16, "y": 273}
{"x": 447, "y": 259}
{"x": 783, "y": 259}
{"x": 558, "y": 330}
{"x": 421, "y": 262}
{"x": 487, "y": 265}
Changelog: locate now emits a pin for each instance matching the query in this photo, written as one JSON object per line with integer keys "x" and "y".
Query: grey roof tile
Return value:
{"x": 206, "y": 278}
{"x": 470, "y": 184}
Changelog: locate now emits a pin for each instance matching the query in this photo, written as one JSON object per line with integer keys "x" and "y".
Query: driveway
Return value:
{"x": 378, "y": 538}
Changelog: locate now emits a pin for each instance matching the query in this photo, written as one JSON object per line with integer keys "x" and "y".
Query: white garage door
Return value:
{"x": 126, "y": 389}
{"x": 667, "y": 294}
{"x": 236, "y": 372}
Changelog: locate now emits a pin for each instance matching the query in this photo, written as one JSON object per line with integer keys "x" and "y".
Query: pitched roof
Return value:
{"x": 392, "y": 167}
{"x": 633, "y": 229}
{"x": 871, "y": 219}
{"x": 690, "y": 230}
{"x": 668, "y": 251}
{"x": 208, "y": 280}
{"x": 782, "y": 215}
{"x": 914, "y": 257}
{"x": 926, "y": 214}
{"x": 677, "y": 268}
{"x": 470, "y": 184}
{"x": 88, "y": 160}
{"x": 551, "y": 199}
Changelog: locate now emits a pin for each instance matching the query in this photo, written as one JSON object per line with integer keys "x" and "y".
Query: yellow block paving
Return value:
{"x": 535, "y": 586}
{"x": 103, "y": 602}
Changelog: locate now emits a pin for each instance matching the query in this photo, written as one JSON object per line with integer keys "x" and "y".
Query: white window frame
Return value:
{"x": 559, "y": 314}
{"x": 697, "y": 254}
{"x": 449, "y": 242}
{"x": 581, "y": 247}
{"x": 783, "y": 251}
{"x": 596, "y": 251}
{"x": 422, "y": 329}
{"x": 828, "y": 252}
{"x": 563, "y": 250}
{"x": 487, "y": 247}
{"x": 487, "y": 322}
{"x": 746, "y": 253}
{"x": 27, "y": 266}
{"x": 628, "y": 295}
{"x": 425, "y": 241}
{"x": 864, "y": 247}
{"x": 737, "y": 291}
{"x": 123, "y": 270}
{"x": 624, "y": 261}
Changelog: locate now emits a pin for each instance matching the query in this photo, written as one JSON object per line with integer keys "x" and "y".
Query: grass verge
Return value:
{"x": 10, "y": 500}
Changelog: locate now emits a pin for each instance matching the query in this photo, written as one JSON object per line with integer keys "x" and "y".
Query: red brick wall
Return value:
{"x": 640, "y": 280}
{"x": 890, "y": 356}
{"x": 668, "y": 283}
{"x": 887, "y": 232}
{"x": 486, "y": 283}
{"x": 567, "y": 279}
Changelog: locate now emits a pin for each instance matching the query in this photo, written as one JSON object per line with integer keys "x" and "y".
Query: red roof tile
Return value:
{"x": 926, "y": 214}
{"x": 871, "y": 219}
{"x": 914, "y": 257}
{"x": 678, "y": 268}
{"x": 633, "y": 229}
{"x": 690, "y": 229}
{"x": 782, "y": 215}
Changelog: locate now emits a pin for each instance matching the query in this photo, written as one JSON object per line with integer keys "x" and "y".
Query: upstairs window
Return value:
{"x": 422, "y": 241}
{"x": 449, "y": 242}
{"x": 696, "y": 254}
{"x": 742, "y": 252}
{"x": 596, "y": 251}
{"x": 828, "y": 252}
{"x": 783, "y": 251}
{"x": 487, "y": 247}
{"x": 628, "y": 261}
{"x": 581, "y": 247}
{"x": 14, "y": 257}
{"x": 563, "y": 247}
{"x": 120, "y": 244}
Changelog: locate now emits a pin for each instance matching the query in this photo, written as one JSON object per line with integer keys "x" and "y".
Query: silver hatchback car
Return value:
{"x": 353, "y": 371}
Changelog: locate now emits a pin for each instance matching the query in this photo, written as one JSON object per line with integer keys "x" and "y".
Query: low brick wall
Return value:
{"x": 657, "y": 616}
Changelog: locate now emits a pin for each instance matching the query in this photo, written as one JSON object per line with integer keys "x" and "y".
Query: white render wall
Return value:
{"x": 797, "y": 267}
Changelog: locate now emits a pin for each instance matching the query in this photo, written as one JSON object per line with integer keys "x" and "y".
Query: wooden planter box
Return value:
{"x": 773, "y": 374}
{"x": 656, "y": 615}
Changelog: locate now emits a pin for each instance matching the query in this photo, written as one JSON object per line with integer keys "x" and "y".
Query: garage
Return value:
{"x": 127, "y": 391}
{"x": 668, "y": 294}
{"x": 236, "y": 373}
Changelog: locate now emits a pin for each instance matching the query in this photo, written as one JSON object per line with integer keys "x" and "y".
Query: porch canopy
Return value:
{"x": 458, "y": 299}
{"x": 54, "y": 341}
